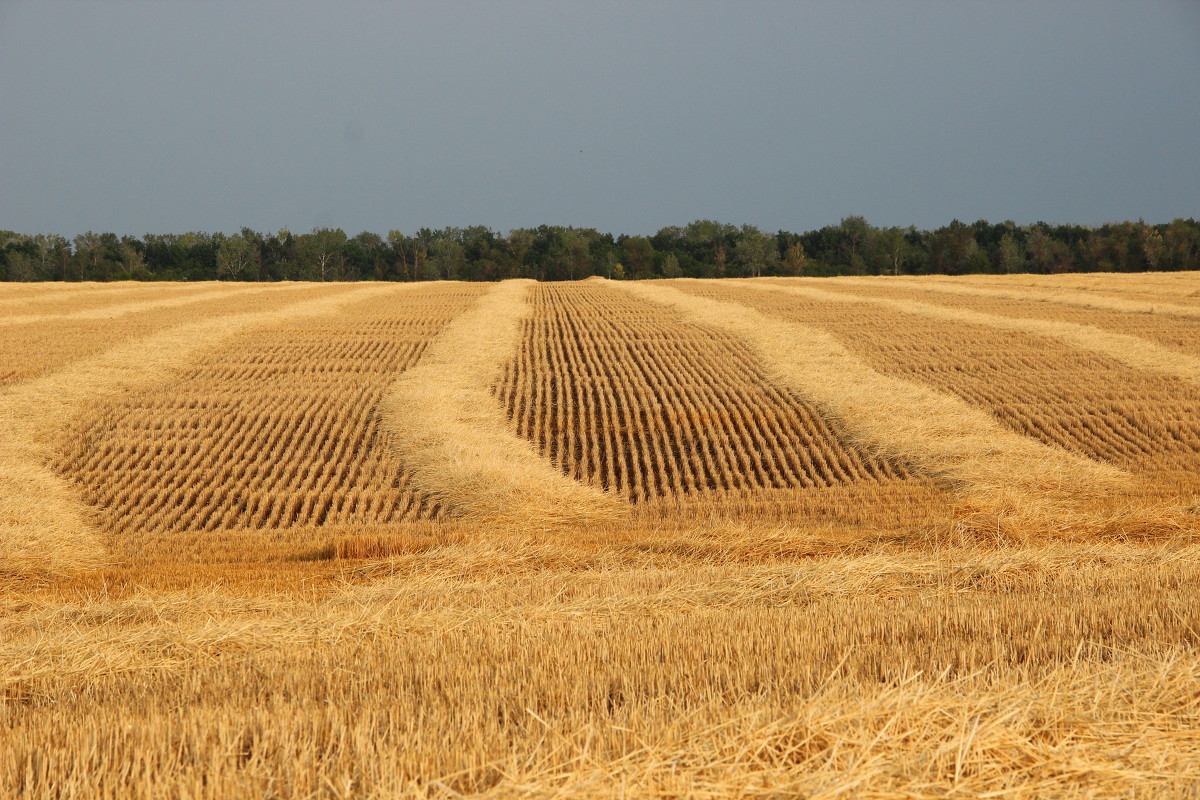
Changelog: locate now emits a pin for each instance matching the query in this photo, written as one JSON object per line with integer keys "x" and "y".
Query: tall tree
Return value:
{"x": 238, "y": 258}
{"x": 1010, "y": 256}
{"x": 322, "y": 253}
{"x": 755, "y": 252}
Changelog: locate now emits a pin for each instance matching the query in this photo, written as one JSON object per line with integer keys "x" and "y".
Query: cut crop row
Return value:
{"x": 623, "y": 395}
{"x": 279, "y": 428}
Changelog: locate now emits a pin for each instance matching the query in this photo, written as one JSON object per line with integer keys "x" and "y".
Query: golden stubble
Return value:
{"x": 941, "y": 435}
{"x": 44, "y": 526}
{"x": 453, "y": 434}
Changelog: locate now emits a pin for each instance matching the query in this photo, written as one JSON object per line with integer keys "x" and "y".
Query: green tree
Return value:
{"x": 1010, "y": 256}
{"x": 132, "y": 260}
{"x": 638, "y": 257}
{"x": 520, "y": 242}
{"x": 238, "y": 258}
{"x": 1152, "y": 245}
{"x": 447, "y": 259}
{"x": 892, "y": 249}
{"x": 794, "y": 259}
{"x": 671, "y": 268}
{"x": 755, "y": 252}
{"x": 321, "y": 254}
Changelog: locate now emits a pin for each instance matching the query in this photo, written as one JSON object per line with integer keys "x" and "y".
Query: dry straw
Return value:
{"x": 1133, "y": 351}
{"x": 44, "y": 527}
{"x": 940, "y": 434}
{"x": 111, "y": 311}
{"x": 454, "y": 436}
{"x": 1084, "y": 299}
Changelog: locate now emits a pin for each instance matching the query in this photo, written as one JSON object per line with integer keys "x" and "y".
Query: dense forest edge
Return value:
{"x": 701, "y": 249}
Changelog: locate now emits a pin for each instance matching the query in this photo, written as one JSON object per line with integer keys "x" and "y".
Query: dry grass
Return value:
{"x": 650, "y": 552}
{"x": 205, "y": 452}
{"x": 35, "y": 349}
{"x": 1146, "y": 424}
{"x": 1179, "y": 334}
{"x": 624, "y": 395}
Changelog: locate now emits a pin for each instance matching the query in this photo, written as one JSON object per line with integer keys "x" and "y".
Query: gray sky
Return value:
{"x": 138, "y": 117}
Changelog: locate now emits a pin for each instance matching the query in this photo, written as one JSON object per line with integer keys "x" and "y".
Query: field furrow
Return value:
{"x": 43, "y": 524}
{"x": 1133, "y": 351}
{"x": 1121, "y": 296}
{"x": 1174, "y": 287}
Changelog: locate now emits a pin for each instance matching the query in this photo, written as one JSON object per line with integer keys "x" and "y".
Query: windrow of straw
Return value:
{"x": 37, "y": 349}
{"x": 113, "y": 311}
{"x": 1144, "y": 423}
{"x": 1178, "y": 334}
{"x": 1131, "y": 350}
{"x": 277, "y": 429}
{"x": 44, "y": 526}
{"x": 73, "y": 298}
{"x": 1181, "y": 286}
{"x": 1085, "y": 299}
{"x": 939, "y": 434}
{"x": 623, "y": 394}
{"x": 453, "y": 434}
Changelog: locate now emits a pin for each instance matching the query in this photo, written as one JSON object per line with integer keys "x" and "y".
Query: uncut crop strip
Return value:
{"x": 453, "y": 433}
{"x": 34, "y": 349}
{"x": 278, "y": 429}
{"x": 938, "y": 432}
{"x": 43, "y": 525}
{"x": 1083, "y": 402}
{"x": 623, "y": 395}
{"x": 1175, "y": 333}
{"x": 1133, "y": 351}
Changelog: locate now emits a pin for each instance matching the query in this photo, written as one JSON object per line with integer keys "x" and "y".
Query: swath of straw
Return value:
{"x": 1133, "y": 351}
{"x": 44, "y": 526}
{"x": 454, "y": 437}
{"x": 939, "y": 434}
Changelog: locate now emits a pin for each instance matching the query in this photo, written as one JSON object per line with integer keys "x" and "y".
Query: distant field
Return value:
{"x": 886, "y": 537}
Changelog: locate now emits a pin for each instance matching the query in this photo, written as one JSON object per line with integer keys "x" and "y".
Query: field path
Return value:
{"x": 44, "y": 526}
{"x": 938, "y": 433}
{"x": 454, "y": 436}
{"x": 1133, "y": 351}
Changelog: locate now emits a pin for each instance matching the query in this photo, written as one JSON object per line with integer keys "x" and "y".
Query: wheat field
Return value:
{"x": 861, "y": 537}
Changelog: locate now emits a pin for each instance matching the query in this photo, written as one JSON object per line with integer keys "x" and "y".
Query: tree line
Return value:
{"x": 701, "y": 249}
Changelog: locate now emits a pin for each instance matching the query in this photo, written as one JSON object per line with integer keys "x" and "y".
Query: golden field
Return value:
{"x": 857, "y": 537}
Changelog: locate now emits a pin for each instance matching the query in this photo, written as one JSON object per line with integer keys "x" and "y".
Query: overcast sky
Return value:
{"x": 138, "y": 117}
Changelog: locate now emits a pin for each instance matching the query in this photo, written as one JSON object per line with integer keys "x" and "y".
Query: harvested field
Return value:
{"x": 1083, "y": 402}
{"x": 696, "y": 539}
{"x": 1181, "y": 334}
{"x": 623, "y": 395}
{"x": 279, "y": 428}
